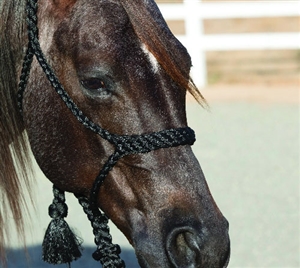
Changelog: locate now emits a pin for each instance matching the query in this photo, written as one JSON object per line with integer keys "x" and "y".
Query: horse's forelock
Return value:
{"x": 14, "y": 150}
{"x": 154, "y": 33}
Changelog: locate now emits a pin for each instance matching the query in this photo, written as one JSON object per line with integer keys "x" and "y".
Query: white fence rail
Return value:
{"x": 194, "y": 11}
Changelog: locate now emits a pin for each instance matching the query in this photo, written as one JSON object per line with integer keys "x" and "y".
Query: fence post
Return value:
{"x": 194, "y": 41}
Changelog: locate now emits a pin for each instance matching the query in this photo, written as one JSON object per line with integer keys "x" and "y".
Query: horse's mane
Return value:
{"x": 14, "y": 150}
{"x": 153, "y": 31}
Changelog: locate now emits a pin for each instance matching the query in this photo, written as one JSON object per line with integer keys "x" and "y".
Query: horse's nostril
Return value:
{"x": 186, "y": 242}
{"x": 183, "y": 247}
{"x": 191, "y": 248}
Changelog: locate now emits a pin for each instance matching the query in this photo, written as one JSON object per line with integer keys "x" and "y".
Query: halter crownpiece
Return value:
{"x": 107, "y": 253}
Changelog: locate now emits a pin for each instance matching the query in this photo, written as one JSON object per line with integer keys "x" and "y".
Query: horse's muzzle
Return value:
{"x": 185, "y": 247}
{"x": 189, "y": 248}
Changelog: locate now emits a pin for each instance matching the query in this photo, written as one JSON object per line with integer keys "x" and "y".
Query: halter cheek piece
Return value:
{"x": 106, "y": 252}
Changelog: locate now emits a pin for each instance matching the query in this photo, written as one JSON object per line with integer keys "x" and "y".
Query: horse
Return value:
{"x": 120, "y": 64}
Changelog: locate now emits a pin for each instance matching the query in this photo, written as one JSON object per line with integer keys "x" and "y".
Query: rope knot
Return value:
{"x": 58, "y": 210}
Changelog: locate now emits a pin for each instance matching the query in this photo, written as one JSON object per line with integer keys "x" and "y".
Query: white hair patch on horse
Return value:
{"x": 152, "y": 59}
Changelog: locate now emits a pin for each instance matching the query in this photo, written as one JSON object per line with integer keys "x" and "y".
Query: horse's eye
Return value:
{"x": 94, "y": 84}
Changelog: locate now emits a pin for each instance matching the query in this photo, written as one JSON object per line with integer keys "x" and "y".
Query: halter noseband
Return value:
{"x": 124, "y": 144}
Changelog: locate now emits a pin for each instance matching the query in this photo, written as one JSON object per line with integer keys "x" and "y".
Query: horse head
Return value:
{"x": 122, "y": 66}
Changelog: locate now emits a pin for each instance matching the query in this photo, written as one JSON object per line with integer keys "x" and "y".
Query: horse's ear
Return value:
{"x": 61, "y": 7}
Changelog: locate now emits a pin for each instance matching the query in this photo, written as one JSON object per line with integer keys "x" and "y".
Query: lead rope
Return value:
{"x": 107, "y": 253}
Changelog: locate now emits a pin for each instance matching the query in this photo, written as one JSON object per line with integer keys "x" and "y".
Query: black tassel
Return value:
{"x": 60, "y": 245}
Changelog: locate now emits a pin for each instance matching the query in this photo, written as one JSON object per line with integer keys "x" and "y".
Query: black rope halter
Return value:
{"x": 124, "y": 144}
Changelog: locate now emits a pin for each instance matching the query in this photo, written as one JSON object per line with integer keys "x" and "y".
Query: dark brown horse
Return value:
{"x": 122, "y": 66}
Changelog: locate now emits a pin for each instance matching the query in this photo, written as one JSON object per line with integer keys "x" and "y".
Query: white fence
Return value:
{"x": 194, "y": 11}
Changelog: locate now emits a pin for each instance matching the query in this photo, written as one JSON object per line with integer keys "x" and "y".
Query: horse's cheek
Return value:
{"x": 58, "y": 142}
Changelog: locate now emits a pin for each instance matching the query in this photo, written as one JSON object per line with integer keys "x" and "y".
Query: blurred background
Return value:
{"x": 246, "y": 57}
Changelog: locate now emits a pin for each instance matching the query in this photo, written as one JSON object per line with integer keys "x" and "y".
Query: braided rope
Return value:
{"x": 24, "y": 76}
{"x": 107, "y": 253}
{"x": 126, "y": 145}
